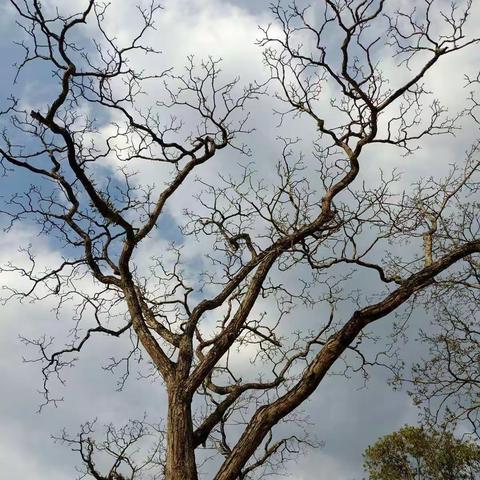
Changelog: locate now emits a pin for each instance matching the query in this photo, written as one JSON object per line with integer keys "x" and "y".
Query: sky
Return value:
{"x": 346, "y": 416}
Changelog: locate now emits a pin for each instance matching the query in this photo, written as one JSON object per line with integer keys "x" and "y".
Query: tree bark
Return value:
{"x": 181, "y": 464}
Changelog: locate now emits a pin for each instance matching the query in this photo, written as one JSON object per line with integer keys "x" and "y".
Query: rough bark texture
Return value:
{"x": 180, "y": 459}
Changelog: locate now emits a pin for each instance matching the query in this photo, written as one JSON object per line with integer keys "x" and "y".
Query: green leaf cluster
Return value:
{"x": 415, "y": 453}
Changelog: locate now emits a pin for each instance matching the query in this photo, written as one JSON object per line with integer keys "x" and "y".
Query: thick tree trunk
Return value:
{"x": 181, "y": 463}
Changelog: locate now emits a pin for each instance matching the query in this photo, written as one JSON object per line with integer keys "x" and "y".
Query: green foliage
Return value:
{"x": 414, "y": 453}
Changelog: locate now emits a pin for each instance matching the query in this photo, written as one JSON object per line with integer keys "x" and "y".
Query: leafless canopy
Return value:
{"x": 273, "y": 252}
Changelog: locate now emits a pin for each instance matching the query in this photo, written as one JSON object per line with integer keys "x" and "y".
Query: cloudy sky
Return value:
{"x": 346, "y": 417}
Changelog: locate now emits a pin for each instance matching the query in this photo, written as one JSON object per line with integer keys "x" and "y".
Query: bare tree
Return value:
{"x": 445, "y": 383}
{"x": 320, "y": 224}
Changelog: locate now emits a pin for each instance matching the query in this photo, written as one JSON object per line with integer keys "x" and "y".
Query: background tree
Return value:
{"x": 274, "y": 251}
{"x": 414, "y": 453}
{"x": 446, "y": 383}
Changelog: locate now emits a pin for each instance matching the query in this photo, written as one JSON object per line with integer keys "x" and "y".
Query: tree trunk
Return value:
{"x": 181, "y": 463}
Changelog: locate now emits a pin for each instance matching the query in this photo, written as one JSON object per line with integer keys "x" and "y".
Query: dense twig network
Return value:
{"x": 321, "y": 223}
